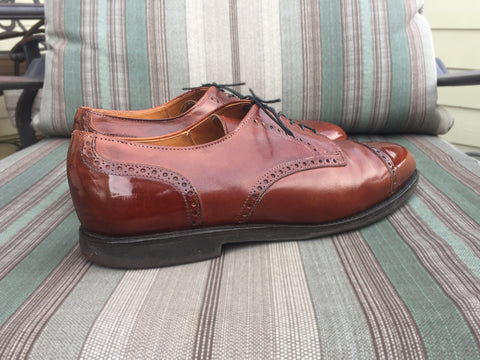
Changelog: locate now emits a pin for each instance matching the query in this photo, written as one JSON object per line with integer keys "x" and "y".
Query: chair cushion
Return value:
{"x": 405, "y": 287}
{"x": 367, "y": 66}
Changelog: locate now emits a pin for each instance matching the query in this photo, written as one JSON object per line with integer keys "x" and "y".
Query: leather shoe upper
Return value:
{"x": 175, "y": 115}
{"x": 207, "y": 176}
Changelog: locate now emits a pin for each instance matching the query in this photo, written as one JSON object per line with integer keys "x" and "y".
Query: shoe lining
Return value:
{"x": 172, "y": 108}
{"x": 209, "y": 130}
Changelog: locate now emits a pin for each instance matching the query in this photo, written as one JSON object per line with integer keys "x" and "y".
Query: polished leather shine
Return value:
{"x": 175, "y": 115}
{"x": 254, "y": 173}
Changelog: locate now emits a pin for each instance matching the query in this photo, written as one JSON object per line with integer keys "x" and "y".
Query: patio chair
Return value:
{"x": 406, "y": 287}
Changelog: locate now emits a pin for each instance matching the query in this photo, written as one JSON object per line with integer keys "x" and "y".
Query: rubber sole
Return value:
{"x": 181, "y": 247}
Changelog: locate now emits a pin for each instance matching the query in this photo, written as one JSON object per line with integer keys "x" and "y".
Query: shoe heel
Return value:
{"x": 147, "y": 251}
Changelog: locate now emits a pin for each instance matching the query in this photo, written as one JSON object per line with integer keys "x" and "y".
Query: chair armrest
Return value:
{"x": 21, "y": 11}
{"x": 23, "y": 117}
{"x": 23, "y": 112}
{"x": 459, "y": 78}
{"x": 19, "y": 82}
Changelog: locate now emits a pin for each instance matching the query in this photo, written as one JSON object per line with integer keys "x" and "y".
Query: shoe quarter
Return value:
{"x": 230, "y": 174}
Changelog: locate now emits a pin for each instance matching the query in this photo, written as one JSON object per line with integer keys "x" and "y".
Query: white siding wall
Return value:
{"x": 456, "y": 35}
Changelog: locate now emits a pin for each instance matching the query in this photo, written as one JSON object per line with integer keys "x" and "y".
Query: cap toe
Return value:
{"x": 398, "y": 159}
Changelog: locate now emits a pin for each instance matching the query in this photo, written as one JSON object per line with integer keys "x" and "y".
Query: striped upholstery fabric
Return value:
{"x": 365, "y": 65}
{"x": 407, "y": 287}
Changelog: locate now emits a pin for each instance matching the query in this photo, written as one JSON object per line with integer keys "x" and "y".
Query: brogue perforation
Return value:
{"x": 291, "y": 167}
{"x": 181, "y": 183}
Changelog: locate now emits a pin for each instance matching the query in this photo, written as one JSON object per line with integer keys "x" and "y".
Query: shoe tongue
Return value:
{"x": 219, "y": 97}
{"x": 229, "y": 123}
{"x": 232, "y": 115}
{"x": 187, "y": 105}
{"x": 236, "y": 113}
{"x": 209, "y": 95}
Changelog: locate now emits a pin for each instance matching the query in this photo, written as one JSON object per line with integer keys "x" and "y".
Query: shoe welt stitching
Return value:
{"x": 97, "y": 163}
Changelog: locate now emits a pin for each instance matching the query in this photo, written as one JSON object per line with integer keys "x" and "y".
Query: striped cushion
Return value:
{"x": 365, "y": 65}
{"x": 405, "y": 287}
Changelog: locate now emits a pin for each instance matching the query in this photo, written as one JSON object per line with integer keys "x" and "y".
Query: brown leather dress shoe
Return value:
{"x": 175, "y": 115}
{"x": 178, "y": 198}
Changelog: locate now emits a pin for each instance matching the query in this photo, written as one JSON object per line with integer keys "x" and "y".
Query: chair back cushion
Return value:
{"x": 366, "y": 65}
